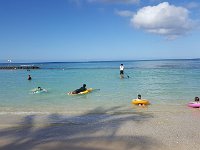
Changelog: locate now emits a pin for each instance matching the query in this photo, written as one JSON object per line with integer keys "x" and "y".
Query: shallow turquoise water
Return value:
{"x": 161, "y": 82}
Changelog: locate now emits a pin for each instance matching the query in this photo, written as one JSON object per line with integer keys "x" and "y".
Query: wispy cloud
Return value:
{"x": 163, "y": 19}
{"x": 76, "y": 2}
{"x": 192, "y": 5}
{"x": 124, "y": 13}
{"x": 116, "y": 1}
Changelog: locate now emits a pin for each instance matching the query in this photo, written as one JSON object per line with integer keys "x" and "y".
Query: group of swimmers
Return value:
{"x": 83, "y": 88}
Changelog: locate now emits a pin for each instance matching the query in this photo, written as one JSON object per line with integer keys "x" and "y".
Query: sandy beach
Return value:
{"x": 173, "y": 127}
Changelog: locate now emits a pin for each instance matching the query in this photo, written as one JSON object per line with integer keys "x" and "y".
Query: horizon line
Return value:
{"x": 93, "y": 61}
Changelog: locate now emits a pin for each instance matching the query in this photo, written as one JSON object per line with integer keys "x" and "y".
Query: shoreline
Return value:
{"x": 109, "y": 110}
{"x": 166, "y": 129}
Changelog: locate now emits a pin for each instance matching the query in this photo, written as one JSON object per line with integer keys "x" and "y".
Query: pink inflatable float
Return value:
{"x": 194, "y": 104}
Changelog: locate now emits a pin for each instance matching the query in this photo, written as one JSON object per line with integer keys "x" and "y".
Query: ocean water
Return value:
{"x": 162, "y": 82}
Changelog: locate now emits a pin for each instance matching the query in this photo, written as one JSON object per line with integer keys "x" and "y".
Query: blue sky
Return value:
{"x": 84, "y": 30}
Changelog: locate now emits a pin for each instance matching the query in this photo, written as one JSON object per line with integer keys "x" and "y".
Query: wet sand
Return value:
{"x": 153, "y": 128}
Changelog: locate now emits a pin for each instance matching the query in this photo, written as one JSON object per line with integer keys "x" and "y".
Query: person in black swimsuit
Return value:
{"x": 82, "y": 89}
{"x": 29, "y": 77}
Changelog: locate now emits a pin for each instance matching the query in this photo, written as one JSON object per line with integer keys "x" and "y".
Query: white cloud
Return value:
{"x": 117, "y": 1}
{"x": 163, "y": 19}
{"x": 124, "y": 13}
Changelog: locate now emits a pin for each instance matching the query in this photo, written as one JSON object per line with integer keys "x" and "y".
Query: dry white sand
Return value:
{"x": 153, "y": 128}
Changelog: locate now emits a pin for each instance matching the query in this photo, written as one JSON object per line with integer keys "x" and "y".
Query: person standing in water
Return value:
{"x": 121, "y": 68}
{"x": 29, "y": 77}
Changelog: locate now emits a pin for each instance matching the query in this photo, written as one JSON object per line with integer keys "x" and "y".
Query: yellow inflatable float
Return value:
{"x": 87, "y": 91}
{"x": 140, "y": 102}
{"x": 84, "y": 92}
